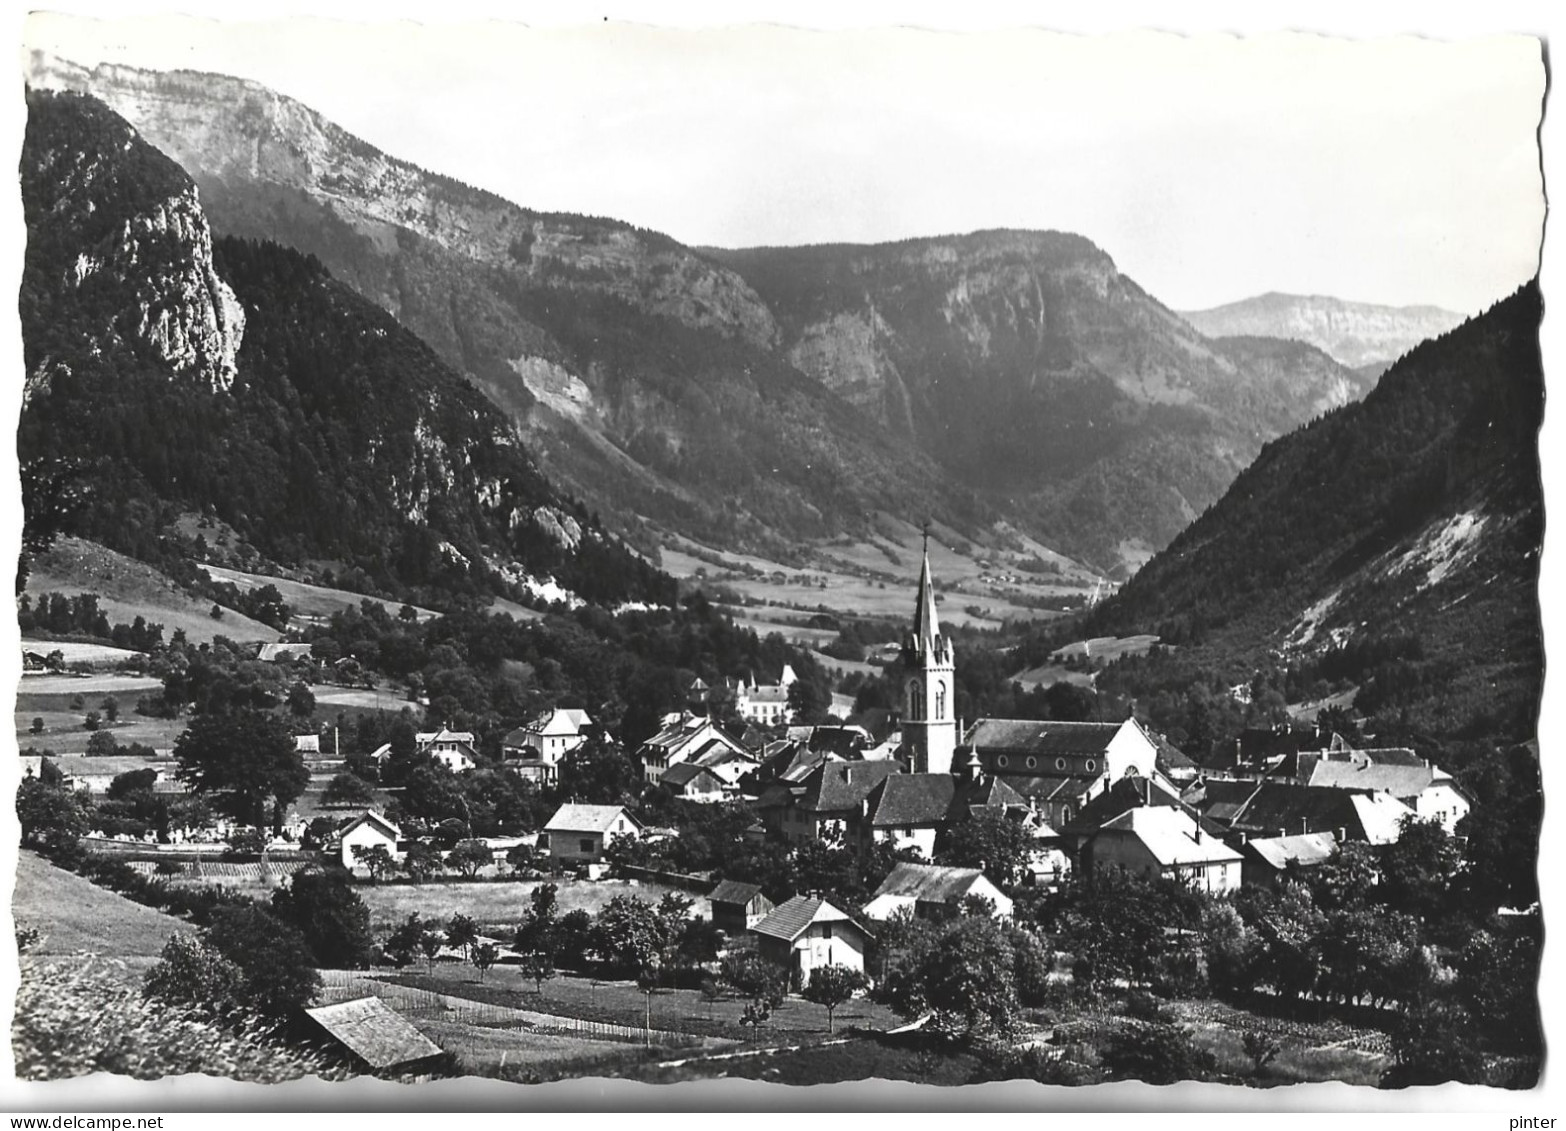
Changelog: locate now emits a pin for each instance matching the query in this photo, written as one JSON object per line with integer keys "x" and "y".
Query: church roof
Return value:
{"x": 1030, "y": 736}
{"x": 925, "y": 626}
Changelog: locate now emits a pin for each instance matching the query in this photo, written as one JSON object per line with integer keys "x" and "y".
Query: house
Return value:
{"x": 693, "y": 783}
{"x": 1424, "y": 787}
{"x": 534, "y": 751}
{"x": 451, "y": 748}
{"x": 1171, "y": 761}
{"x": 807, "y": 933}
{"x": 685, "y": 737}
{"x": 1271, "y": 808}
{"x": 737, "y": 906}
{"x": 366, "y": 831}
{"x": 1162, "y": 842}
{"x": 1268, "y": 859}
{"x": 906, "y": 811}
{"x": 307, "y": 743}
{"x": 765, "y": 704}
{"x": 578, "y": 834}
{"x": 282, "y": 653}
{"x": 1060, "y": 766}
{"x": 375, "y": 1036}
{"x": 931, "y": 892}
{"x": 828, "y": 802}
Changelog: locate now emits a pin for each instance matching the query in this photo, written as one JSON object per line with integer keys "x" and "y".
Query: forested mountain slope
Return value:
{"x": 168, "y": 374}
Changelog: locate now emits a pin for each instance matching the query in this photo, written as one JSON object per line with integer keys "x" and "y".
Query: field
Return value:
{"x": 875, "y": 579}
{"x": 75, "y": 915}
{"x": 501, "y": 903}
{"x": 127, "y": 589}
{"x": 50, "y": 698}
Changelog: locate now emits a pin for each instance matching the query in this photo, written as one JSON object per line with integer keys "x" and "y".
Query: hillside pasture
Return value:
{"x": 65, "y": 731}
{"x": 74, "y": 915}
{"x": 127, "y": 589}
{"x": 312, "y": 602}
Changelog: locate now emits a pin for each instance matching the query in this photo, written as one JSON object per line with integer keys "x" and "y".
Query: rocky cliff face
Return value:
{"x": 113, "y": 261}
{"x": 173, "y": 373}
{"x": 1358, "y": 334}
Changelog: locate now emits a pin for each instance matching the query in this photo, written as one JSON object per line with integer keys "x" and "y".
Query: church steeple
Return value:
{"x": 928, "y": 666}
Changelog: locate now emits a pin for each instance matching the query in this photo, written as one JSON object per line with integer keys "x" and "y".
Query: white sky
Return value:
{"x": 1211, "y": 167}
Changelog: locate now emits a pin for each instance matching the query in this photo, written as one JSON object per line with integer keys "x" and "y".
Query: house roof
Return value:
{"x": 376, "y": 1034}
{"x": 683, "y": 773}
{"x": 734, "y": 891}
{"x": 912, "y": 799}
{"x": 1051, "y": 787}
{"x": 1280, "y": 851}
{"x": 767, "y": 693}
{"x": 375, "y": 821}
{"x": 425, "y": 738}
{"x": 1363, "y": 815}
{"x": 1170, "y": 756}
{"x": 81, "y": 765}
{"x": 283, "y": 651}
{"x": 1398, "y": 780}
{"x": 929, "y": 882}
{"x": 788, "y": 921}
{"x": 1122, "y": 795}
{"x": 1171, "y": 836}
{"x": 574, "y": 818}
{"x": 1030, "y": 736}
{"x": 837, "y": 786}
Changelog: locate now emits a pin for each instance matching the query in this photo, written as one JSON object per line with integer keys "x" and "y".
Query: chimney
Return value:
{"x": 1243, "y": 839}
{"x": 1304, "y": 825}
{"x": 1340, "y": 833}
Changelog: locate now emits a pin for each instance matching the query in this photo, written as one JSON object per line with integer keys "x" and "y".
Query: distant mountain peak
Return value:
{"x": 1356, "y": 334}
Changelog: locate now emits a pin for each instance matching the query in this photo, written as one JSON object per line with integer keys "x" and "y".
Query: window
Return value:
{"x": 1092, "y": 766}
{"x": 1060, "y": 763}
{"x": 915, "y": 700}
{"x": 586, "y": 844}
{"x": 1033, "y": 763}
{"x": 1003, "y": 761}
{"x": 940, "y": 700}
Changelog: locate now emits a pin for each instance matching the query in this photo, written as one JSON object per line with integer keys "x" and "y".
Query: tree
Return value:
{"x": 832, "y": 986}
{"x": 522, "y": 859}
{"x": 537, "y": 967}
{"x": 421, "y": 861}
{"x": 754, "y": 977}
{"x": 992, "y": 841}
{"x": 279, "y": 976}
{"x": 573, "y": 938}
{"x": 38, "y": 725}
{"x": 402, "y": 945}
{"x": 193, "y": 974}
{"x": 347, "y": 789}
{"x": 809, "y": 702}
{"x": 242, "y": 760}
{"x": 469, "y": 856}
{"x": 462, "y": 932}
{"x": 1155, "y": 1053}
{"x": 430, "y": 943}
{"x": 247, "y": 842}
{"x": 301, "y": 700}
{"x": 1417, "y": 869}
{"x": 330, "y": 915}
{"x": 1261, "y": 1049}
{"x": 485, "y": 954}
{"x": 375, "y": 859}
{"x": 101, "y": 744}
{"x": 1431, "y": 1045}
{"x": 111, "y": 708}
{"x": 52, "y": 817}
{"x": 131, "y": 782}
{"x": 92, "y": 721}
{"x": 628, "y": 935}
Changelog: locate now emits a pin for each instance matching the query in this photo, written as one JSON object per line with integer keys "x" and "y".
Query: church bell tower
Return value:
{"x": 928, "y": 709}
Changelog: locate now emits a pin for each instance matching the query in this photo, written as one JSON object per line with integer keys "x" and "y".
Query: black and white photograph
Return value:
{"x": 674, "y": 554}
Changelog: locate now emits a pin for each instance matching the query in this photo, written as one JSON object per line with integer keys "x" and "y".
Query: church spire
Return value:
{"x": 925, "y": 627}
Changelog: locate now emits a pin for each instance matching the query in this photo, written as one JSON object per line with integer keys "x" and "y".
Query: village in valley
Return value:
{"x": 758, "y": 880}
{"x": 467, "y": 638}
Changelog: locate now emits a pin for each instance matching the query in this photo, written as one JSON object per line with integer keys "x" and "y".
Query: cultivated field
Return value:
{"x": 54, "y": 700}
{"x": 501, "y": 903}
{"x": 127, "y": 589}
{"x": 75, "y": 915}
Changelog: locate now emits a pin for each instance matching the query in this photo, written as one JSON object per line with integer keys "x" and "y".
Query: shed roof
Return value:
{"x": 789, "y": 921}
{"x": 376, "y": 1034}
{"x": 573, "y": 818}
{"x": 376, "y": 821}
{"x": 1305, "y": 849}
{"x": 930, "y": 882}
{"x": 734, "y": 891}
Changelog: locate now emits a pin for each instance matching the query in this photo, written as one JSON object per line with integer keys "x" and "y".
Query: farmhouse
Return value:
{"x": 693, "y": 783}
{"x": 931, "y": 892}
{"x": 451, "y": 748}
{"x": 534, "y": 751}
{"x": 366, "y": 832}
{"x": 806, "y": 933}
{"x": 1157, "y": 841}
{"x": 579, "y": 834}
{"x": 737, "y": 906}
